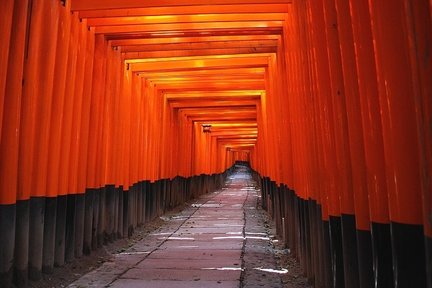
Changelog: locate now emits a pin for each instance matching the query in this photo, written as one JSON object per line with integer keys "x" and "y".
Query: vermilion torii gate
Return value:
{"x": 103, "y": 103}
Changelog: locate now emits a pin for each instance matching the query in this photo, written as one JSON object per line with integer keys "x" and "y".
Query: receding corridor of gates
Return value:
{"x": 116, "y": 112}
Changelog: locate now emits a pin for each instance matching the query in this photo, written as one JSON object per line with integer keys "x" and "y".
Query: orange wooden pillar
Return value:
{"x": 259, "y": 160}
{"x": 9, "y": 134}
{"x": 103, "y": 129}
{"x": 84, "y": 143}
{"x": 164, "y": 136}
{"x": 290, "y": 48}
{"x": 106, "y": 165}
{"x": 134, "y": 177}
{"x": 397, "y": 84}
{"x": 141, "y": 128}
{"x": 151, "y": 110}
{"x": 135, "y": 190}
{"x": 66, "y": 200}
{"x": 325, "y": 141}
{"x": 125, "y": 111}
{"x": 330, "y": 117}
{"x": 357, "y": 155}
{"x": 179, "y": 127}
{"x": 302, "y": 137}
{"x": 317, "y": 124}
{"x": 286, "y": 138}
{"x": 142, "y": 151}
{"x": 274, "y": 126}
{"x": 95, "y": 131}
{"x": 308, "y": 115}
{"x": 7, "y": 8}
{"x": 197, "y": 154}
{"x": 265, "y": 137}
{"x": 295, "y": 87}
{"x": 421, "y": 29}
{"x": 317, "y": 204}
{"x": 213, "y": 154}
{"x": 135, "y": 139}
{"x": 343, "y": 157}
{"x": 373, "y": 145}
{"x": 54, "y": 144}
{"x": 189, "y": 148}
{"x": 116, "y": 174}
{"x": 145, "y": 143}
{"x": 277, "y": 78}
{"x": 27, "y": 129}
{"x": 146, "y": 128}
{"x": 273, "y": 139}
{"x": 418, "y": 19}
{"x": 77, "y": 118}
{"x": 43, "y": 41}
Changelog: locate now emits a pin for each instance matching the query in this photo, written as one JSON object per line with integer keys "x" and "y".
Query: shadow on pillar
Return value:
{"x": 37, "y": 214}
{"x": 7, "y": 242}
{"x": 49, "y": 235}
{"x": 101, "y": 217}
{"x": 314, "y": 236}
{"x": 120, "y": 221}
{"x": 139, "y": 208}
{"x": 22, "y": 243}
{"x": 70, "y": 228}
{"x": 147, "y": 186}
{"x": 365, "y": 260}
{"x": 336, "y": 251}
{"x": 79, "y": 225}
{"x": 382, "y": 255}
{"x": 95, "y": 224}
{"x": 116, "y": 204}
{"x": 328, "y": 280}
{"x": 110, "y": 205}
{"x": 125, "y": 212}
{"x": 408, "y": 255}
{"x": 349, "y": 244}
{"x": 428, "y": 242}
{"x": 60, "y": 236}
{"x": 88, "y": 221}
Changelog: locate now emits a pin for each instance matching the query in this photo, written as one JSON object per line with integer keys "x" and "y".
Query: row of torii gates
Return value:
{"x": 116, "y": 103}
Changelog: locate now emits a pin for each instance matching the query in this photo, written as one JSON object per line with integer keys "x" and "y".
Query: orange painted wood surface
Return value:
{"x": 7, "y": 8}
{"x": 118, "y": 92}
{"x": 395, "y": 82}
{"x": 11, "y": 114}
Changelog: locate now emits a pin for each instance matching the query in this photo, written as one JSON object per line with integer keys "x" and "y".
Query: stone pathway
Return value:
{"x": 218, "y": 241}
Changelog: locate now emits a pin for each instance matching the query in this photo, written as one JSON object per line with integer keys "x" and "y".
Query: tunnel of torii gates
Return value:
{"x": 112, "y": 111}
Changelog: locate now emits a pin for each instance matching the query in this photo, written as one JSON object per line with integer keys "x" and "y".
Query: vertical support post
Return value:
{"x": 374, "y": 149}
{"x": 397, "y": 94}
{"x": 11, "y": 209}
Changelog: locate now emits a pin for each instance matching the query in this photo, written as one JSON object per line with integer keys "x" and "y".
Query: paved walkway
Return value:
{"x": 215, "y": 242}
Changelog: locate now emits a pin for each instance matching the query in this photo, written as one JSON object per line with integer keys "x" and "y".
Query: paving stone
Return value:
{"x": 219, "y": 263}
{"x": 196, "y": 254}
{"x": 133, "y": 283}
{"x": 203, "y": 245}
{"x": 213, "y": 230}
{"x": 182, "y": 274}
